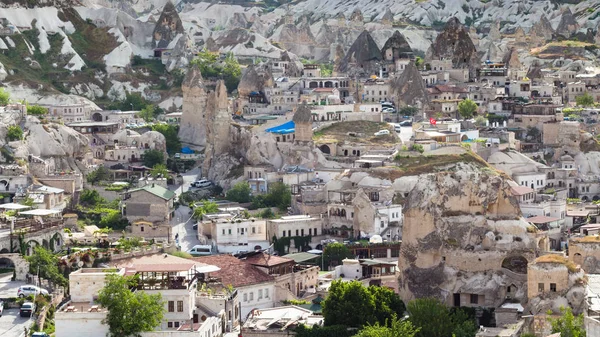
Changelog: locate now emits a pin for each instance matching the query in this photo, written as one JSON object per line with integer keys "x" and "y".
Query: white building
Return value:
{"x": 533, "y": 180}
{"x": 234, "y": 235}
{"x": 294, "y": 225}
{"x": 68, "y": 112}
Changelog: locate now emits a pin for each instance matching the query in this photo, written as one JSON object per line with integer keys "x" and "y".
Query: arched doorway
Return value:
{"x": 4, "y": 185}
{"x": 6, "y": 265}
{"x": 596, "y": 198}
{"x": 97, "y": 117}
{"x": 325, "y": 149}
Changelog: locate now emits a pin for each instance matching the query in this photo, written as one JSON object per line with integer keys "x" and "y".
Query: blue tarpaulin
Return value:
{"x": 187, "y": 150}
{"x": 283, "y": 129}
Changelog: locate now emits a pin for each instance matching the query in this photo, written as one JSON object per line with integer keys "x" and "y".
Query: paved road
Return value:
{"x": 405, "y": 133}
{"x": 12, "y": 325}
{"x": 9, "y": 288}
{"x": 182, "y": 222}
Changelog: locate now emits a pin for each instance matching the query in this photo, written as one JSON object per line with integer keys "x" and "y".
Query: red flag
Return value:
{"x": 432, "y": 121}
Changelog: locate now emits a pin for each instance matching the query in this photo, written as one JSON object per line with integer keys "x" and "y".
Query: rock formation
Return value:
{"x": 362, "y": 57}
{"x": 303, "y": 124}
{"x": 493, "y": 53}
{"x": 463, "y": 234}
{"x": 396, "y": 47}
{"x": 541, "y": 31}
{"x": 192, "y": 130}
{"x": 388, "y": 17}
{"x": 218, "y": 118}
{"x": 168, "y": 26}
{"x": 474, "y": 36}
{"x": 357, "y": 16}
{"x": 568, "y": 24}
{"x": 454, "y": 43}
{"x": 255, "y": 78}
{"x": 295, "y": 67}
{"x": 408, "y": 87}
{"x": 494, "y": 33}
{"x": 520, "y": 38}
{"x": 511, "y": 59}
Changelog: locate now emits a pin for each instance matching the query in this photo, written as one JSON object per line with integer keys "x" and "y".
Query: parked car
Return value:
{"x": 201, "y": 183}
{"x": 201, "y": 250}
{"x": 406, "y": 123}
{"x": 27, "y": 290}
{"x": 40, "y": 334}
{"x": 26, "y": 309}
{"x": 382, "y": 132}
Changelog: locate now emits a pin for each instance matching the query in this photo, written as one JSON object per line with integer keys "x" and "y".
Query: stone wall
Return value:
{"x": 546, "y": 274}
{"x": 143, "y": 205}
{"x": 585, "y": 254}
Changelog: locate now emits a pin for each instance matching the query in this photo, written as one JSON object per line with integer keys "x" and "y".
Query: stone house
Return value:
{"x": 585, "y": 252}
{"x": 232, "y": 235}
{"x": 69, "y": 112}
{"x": 549, "y": 274}
{"x": 151, "y": 203}
{"x": 47, "y": 197}
{"x": 256, "y": 289}
{"x": 149, "y": 230}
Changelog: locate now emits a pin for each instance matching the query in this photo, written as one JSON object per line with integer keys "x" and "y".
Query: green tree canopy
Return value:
{"x": 99, "y": 174}
{"x": 435, "y": 319}
{"x": 159, "y": 170}
{"x": 207, "y": 207}
{"x": 36, "y": 110}
{"x": 568, "y": 324}
{"x": 133, "y": 101}
{"x": 240, "y": 192}
{"x": 279, "y": 196}
{"x": 467, "y": 108}
{"x": 14, "y": 132}
{"x": 585, "y": 100}
{"x": 4, "y": 97}
{"x": 408, "y": 110}
{"x": 334, "y": 253}
{"x": 392, "y": 328}
{"x": 147, "y": 113}
{"x": 153, "y": 158}
{"x": 349, "y": 304}
{"x": 129, "y": 313}
{"x": 90, "y": 197}
{"x": 211, "y": 67}
{"x": 171, "y": 138}
{"x": 45, "y": 264}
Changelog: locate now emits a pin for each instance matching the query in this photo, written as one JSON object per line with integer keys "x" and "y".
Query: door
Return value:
{"x": 457, "y": 300}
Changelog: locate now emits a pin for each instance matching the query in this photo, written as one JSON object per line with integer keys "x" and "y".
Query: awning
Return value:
{"x": 40, "y": 212}
{"x": 285, "y": 128}
{"x": 13, "y": 206}
{"x": 578, "y": 213}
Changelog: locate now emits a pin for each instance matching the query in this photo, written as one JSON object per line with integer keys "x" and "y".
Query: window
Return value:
{"x": 540, "y": 287}
{"x": 223, "y": 232}
{"x": 297, "y": 232}
{"x": 474, "y": 298}
{"x": 176, "y": 324}
{"x": 283, "y": 234}
{"x": 382, "y": 224}
{"x": 302, "y": 232}
{"x": 553, "y": 287}
{"x": 253, "y": 230}
{"x": 169, "y": 324}
{"x": 260, "y": 294}
{"x": 179, "y": 306}
{"x": 252, "y": 296}
{"x": 171, "y": 306}
{"x": 245, "y": 297}
{"x": 316, "y": 232}
{"x": 267, "y": 293}
{"x": 229, "y": 231}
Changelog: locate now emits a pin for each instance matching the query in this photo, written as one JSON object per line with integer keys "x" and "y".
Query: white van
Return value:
{"x": 201, "y": 250}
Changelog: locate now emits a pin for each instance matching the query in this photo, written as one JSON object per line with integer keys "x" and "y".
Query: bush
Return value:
{"x": 417, "y": 147}
{"x": 14, "y": 132}
{"x": 36, "y": 110}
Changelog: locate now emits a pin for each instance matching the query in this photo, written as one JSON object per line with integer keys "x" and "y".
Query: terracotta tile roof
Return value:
{"x": 521, "y": 190}
{"x": 236, "y": 272}
{"x": 266, "y": 260}
{"x": 540, "y": 219}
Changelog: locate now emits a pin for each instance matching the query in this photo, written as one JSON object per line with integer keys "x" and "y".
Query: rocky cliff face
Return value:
{"x": 455, "y": 44}
{"x": 168, "y": 26}
{"x": 408, "y": 87}
{"x": 218, "y": 118}
{"x": 460, "y": 229}
{"x": 255, "y": 78}
{"x": 541, "y": 31}
{"x": 192, "y": 130}
{"x": 362, "y": 56}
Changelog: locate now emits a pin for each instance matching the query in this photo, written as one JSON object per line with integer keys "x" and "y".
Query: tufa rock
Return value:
{"x": 255, "y": 78}
{"x": 362, "y": 57}
{"x": 294, "y": 65}
{"x": 408, "y": 87}
{"x": 303, "y": 124}
{"x": 454, "y": 43}
{"x": 568, "y": 24}
{"x": 192, "y": 130}
{"x": 387, "y": 17}
{"x": 494, "y": 33}
{"x": 168, "y": 26}
{"x": 217, "y": 120}
{"x": 511, "y": 59}
{"x": 396, "y": 47}
{"x": 357, "y": 16}
{"x": 541, "y": 31}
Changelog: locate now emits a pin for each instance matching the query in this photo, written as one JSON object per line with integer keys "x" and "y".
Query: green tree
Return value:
{"x": 419, "y": 62}
{"x": 343, "y": 296}
{"x": 90, "y": 198}
{"x": 153, "y": 158}
{"x": 279, "y": 196}
{"x": 467, "y": 108}
{"x": 129, "y": 313}
{"x": 568, "y": 324}
{"x": 147, "y": 113}
{"x": 232, "y": 72}
{"x": 4, "y": 97}
{"x": 171, "y": 138}
{"x": 211, "y": 67}
{"x": 14, "y": 132}
{"x": 480, "y": 121}
{"x": 240, "y": 192}
{"x": 334, "y": 253}
{"x": 207, "y": 207}
{"x": 387, "y": 304}
{"x": 408, "y": 110}
{"x": 28, "y": 201}
{"x": 159, "y": 170}
{"x": 36, "y": 110}
{"x": 45, "y": 264}
{"x": 326, "y": 69}
{"x": 432, "y": 316}
{"x": 392, "y": 328}
{"x": 584, "y": 100}
{"x": 99, "y": 174}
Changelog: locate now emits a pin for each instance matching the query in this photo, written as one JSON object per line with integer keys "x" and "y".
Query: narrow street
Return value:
{"x": 182, "y": 222}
